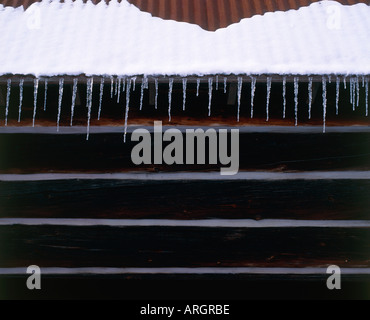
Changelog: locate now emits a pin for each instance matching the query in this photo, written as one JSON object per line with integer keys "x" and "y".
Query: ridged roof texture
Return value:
{"x": 209, "y": 14}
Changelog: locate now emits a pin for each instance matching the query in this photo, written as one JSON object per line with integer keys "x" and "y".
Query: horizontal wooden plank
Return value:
{"x": 191, "y": 289}
{"x": 167, "y": 199}
{"x": 24, "y": 153}
{"x": 58, "y": 246}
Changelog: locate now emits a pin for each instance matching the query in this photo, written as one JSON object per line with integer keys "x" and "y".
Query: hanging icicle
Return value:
{"x": 324, "y": 103}
{"x": 216, "y": 83}
{"x": 111, "y": 86}
{"x": 116, "y": 87}
{"x": 35, "y": 90}
{"x": 337, "y": 96}
{"x": 198, "y": 85}
{"x": 210, "y": 90}
{"x": 8, "y": 87}
{"x": 296, "y": 89}
{"x": 128, "y": 92}
{"x": 142, "y": 93}
{"x": 61, "y": 83}
{"x": 133, "y": 83}
{"x": 123, "y": 81}
{"x": 345, "y": 82}
{"x": 20, "y": 99}
{"x": 101, "y": 96}
{"x": 357, "y": 91}
{"x": 170, "y": 87}
{"x": 253, "y": 91}
{"x": 240, "y": 86}
{"x": 74, "y": 94}
{"x": 310, "y": 84}
{"x": 225, "y": 84}
{"x": 268, "y": 85}
{"x": 284, "y": 97}
{"x": 367, "y": 96}
{"x": 184, "y": 85}
{"x": 89, "y": 94}
{"x": 156, "y": 93}
{"x": 45, "y": 93}
{"x": 119, "y": 89}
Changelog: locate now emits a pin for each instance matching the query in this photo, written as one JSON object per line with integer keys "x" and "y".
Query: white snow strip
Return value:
{"x": 205, "y": 271}
{"x": 131, "y": 128}
{"x": 71, "y": 38}
{"x": 208, "y": 223}
{"x": 192, "y": 176}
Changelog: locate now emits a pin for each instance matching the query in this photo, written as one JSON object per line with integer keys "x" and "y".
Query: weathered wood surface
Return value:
{"x": 140, "y": 199}
{"x": 190, "y": 289}
{"x": 30, "y": 153}
{"x": 50, "y": 246}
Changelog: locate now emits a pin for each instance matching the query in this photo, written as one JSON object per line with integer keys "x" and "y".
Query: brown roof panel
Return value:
{"x": 209, "y": 14}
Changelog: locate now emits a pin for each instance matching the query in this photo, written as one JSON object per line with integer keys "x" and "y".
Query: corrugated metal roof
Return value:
{"x": 209, "y": 14}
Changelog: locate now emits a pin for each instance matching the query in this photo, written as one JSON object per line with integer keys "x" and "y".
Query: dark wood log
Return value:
{"x": 119, "y": 199}
{"x": 190, "y": 289}
{"x": 30, "y": 153}
{"x": 51, "y": 246}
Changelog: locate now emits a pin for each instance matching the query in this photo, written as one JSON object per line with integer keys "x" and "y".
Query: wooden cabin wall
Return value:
{"x": 95, "y": 223}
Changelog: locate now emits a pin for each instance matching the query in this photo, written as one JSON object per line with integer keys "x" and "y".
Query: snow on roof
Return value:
{"x": 73, "y": 38}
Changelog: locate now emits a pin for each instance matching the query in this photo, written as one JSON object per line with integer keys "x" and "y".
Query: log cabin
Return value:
{"x": 78, "y": 78}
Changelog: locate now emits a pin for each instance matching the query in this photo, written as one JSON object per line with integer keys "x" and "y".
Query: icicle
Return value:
{"x": 101, "y": 96}
{"x": 225, "y": 84}
{"x": 20, "y": 98}
{"x": 216, "y": 82}
{"x": 35, "y": 90}
{"x": 89, "y": 94}
{"x": 116, "y": 87}
{"x": 284, "y": 97}
{"x": 61, "y": 83}
{"x": 337, "y": 96}
{"x": 198, "y": 85}
{"x": 329, "y": 78}
{"x": 357, "y": 91}
{"x": 146, "y": 82}
{"x": 345, "y": 82}
{"x": 310, "y": 83}
{"x": 133, "y": 83}
{"x": 184, "y": 84}
{"x": 9, "y": 82}
{"x": 142, "y": 94}
{"x": 111, "y": 86}
{"x": 268, "y": 84}
{"x": 210, "y": 90}
{"x": 350, "y": 91}
{"x": 74, "y": 93}
{"x": 296, "y": 89}
{"x": 128, "y": 91}
{"x": 119, "y": 89}
{"x": 45, "y": 93}
{"x": 123, "y": 81}
{"x": 367, "y": 95}
{"x": 363, "y": 81}
{"x": 353, "y": 94}
{"x": 240, "y": 86}
{"x": 253, "y": 90}
{"x": 324, "y": 103}
{"x": 156, "y": 93}
{"x": 170, "y": 87}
